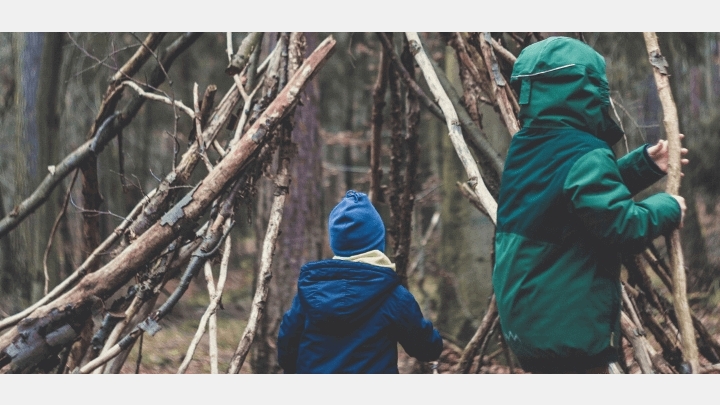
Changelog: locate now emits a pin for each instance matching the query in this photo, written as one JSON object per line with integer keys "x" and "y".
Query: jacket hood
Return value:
{"x": 339, "y": 295}
{"x": 562, "y": 83}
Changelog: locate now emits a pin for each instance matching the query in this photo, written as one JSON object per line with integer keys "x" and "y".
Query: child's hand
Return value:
{"x": 659, "y": 154}
{"x": 681, "y": 201}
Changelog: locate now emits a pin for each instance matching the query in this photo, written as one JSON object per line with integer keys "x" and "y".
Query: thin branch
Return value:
{"x": 210, "y": 312}
{"x": 465, "y": 363}
{"x": 54, "y": 229}
{"x": 499, "y": 86}
{"x": 140, "y": 57}
{"x": 428, "y": 233}
{"x": 155, "y": 97}
{"x": 670, "y": 121}
{"x": 379, "y": 90}
{"x": 229, "y": 49}
{"x": 117, "y": 330}
{"x": 139, "y": 355}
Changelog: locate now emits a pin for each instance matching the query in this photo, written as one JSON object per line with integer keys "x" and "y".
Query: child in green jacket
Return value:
{"x": 566, "y": 211}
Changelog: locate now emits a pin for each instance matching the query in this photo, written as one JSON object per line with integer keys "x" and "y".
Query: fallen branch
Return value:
{"x": 182, "y": 216}
{"x": 672, "y": 131}
{"x": 475, "y": 181}
{"x": 282, "y": 187}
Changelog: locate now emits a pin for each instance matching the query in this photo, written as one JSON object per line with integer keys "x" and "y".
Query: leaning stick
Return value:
{"x": 215, "y": 295}
{"x": 468, "y": 353}
{"x": 60, "y": 216}
{"x": 672, "y": 130}
{"x": 639, "y": 343}
{"x": 474, "y": 179}
{"x": 258, "y": 304}
{"x": 498, "y": 85}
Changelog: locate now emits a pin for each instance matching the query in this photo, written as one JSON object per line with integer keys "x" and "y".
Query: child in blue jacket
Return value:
{"x": 351, "y": 311}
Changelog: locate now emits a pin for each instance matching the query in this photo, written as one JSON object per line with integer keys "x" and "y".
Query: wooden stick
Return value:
{"x": 639, "y": 349}
{"x": 140, "y": 57}
{"x": 210, "y": 312}
{"x": 117, "y": 330}
{"x": 54, "y": 229}
{"x": 485, "y": 343}
{"x": 672, "y": 130}
{"x": 499, "y": 87}
{"x": 474, "y": 179}
{"x": 263, "y": 283}
{"x": 379, "y": 90}
{"x": 504, "y": 53}
{"x": 468, "y": 353}
{"x": 156, "y": 97}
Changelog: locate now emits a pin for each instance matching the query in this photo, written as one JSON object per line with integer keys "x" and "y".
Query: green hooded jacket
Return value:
{"x": 566, "y": 211}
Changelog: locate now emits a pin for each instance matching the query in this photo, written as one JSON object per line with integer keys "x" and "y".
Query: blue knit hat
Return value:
{"x": 355, "y": 226}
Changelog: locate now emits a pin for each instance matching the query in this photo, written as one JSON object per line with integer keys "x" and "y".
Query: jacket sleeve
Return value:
{"x": 291, "y": 329}
{"x": 638, "y": 171}
{"x": 415, "y": 333}
{"x": 604, "y": 205}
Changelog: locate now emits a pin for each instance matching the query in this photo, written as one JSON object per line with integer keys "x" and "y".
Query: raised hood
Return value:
{"x": 562, "y": 83}
{"x": 339, "y": 295}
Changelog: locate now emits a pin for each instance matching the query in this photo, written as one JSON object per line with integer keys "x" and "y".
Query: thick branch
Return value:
{"x": 122, "y": 268}
{"x": 140, "y": 57}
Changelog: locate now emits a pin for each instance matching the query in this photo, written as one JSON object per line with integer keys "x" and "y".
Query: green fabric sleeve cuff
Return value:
{"x": 670, "y": 208}
{"x": 638, "y": 170}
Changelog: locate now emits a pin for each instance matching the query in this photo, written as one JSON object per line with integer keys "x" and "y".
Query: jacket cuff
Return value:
{"x": 651, "y": 163}
{"x": 638, "y": 170}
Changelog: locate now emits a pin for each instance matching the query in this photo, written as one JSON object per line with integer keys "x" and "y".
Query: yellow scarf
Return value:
{"x": 374, "y": 257}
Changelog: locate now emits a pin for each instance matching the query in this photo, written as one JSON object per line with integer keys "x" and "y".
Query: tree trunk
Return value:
{"x": 37, "y": 72}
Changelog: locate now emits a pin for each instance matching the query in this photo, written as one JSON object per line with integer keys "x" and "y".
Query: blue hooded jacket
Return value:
{"x": 348, "y": 318}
